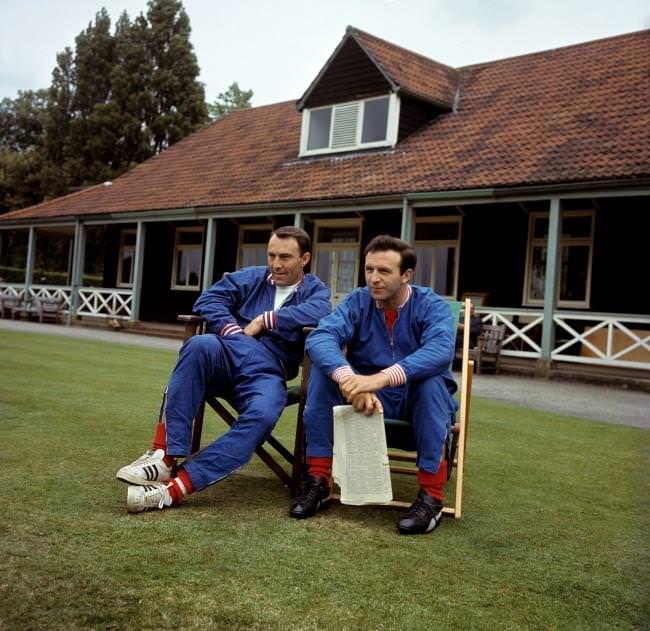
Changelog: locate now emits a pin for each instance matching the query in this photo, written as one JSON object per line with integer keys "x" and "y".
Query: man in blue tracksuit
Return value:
{"x": 388, "y": 347}
{"x": 253, "y": 345}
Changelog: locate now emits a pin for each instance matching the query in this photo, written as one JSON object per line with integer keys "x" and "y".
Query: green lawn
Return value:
{"x": 554, "y": 532}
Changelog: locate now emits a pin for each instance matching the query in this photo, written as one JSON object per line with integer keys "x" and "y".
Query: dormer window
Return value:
{"x": 362, "y": 124}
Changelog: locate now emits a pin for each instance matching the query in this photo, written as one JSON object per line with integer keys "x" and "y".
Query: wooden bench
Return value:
{"x": 42, "y": 308}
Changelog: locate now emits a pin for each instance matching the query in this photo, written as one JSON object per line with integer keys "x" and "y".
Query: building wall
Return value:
{"x": 413, "y": 115}
{"x": 350, "y": 76}
{"x": 493, "y": 246}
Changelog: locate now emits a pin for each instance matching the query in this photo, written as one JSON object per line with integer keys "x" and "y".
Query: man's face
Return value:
{"x": 285, "y": 260}
{"x": 383, "y": 277}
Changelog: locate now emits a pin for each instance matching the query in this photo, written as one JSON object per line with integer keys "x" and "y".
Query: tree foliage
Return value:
{"x": 119, "y": 97}
{"x": 234, "y": 98}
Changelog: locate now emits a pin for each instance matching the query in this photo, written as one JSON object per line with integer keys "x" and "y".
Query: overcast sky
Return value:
{"x": 277, "y": 47}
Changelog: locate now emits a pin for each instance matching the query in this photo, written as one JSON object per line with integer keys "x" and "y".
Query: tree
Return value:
{"x": 22, "y": 120}
{"x": 96, "y": 124}
{"x": 232, "y": 99}
{"x": 54, "y": 177}
{"x": 20, "y": 178}
{"x": 178, "y": 97}
{"x": 131, "y": 93}
{"x": 114, "y": 101}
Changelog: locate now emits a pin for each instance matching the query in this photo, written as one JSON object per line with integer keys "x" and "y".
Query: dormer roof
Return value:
{"x": 402, "y": 70}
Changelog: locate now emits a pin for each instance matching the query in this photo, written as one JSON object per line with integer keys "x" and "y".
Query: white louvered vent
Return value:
{"x": 344, "y": 132}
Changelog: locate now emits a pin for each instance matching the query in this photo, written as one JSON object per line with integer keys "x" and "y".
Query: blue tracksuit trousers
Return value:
{"x": 426, "y": 403}
{"x": 239, "y": 369}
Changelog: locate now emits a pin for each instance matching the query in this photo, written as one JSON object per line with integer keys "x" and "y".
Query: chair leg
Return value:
{"x": 197, "y": 429}
{"x": 298, "y": 456}
{"x": 264, "y": 455}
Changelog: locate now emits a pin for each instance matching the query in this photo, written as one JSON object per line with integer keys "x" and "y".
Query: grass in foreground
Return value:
{"x": 554, "y": 532}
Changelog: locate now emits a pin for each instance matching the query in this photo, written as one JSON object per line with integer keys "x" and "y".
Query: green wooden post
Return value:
{"x": 137, "y": 271}
{"x": 29, "y": 263}
{"x": 208, "y": 256}
{"x": 298, "y": 220}
{"x": 552, "y": 274}
{"x": 76, "y": 281}
{"x": 408, "y": 222}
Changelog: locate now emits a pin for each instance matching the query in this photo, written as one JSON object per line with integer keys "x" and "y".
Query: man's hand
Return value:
{"x": 353, "y": 385}
{"x": 367, "y": 403}
{"x": 254, "y": 327}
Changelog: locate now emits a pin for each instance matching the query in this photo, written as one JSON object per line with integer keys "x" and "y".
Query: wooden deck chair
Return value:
{"x": 399, "y": 433}
{"x": 488, "y": 349}
{"x": 285, "y": 464}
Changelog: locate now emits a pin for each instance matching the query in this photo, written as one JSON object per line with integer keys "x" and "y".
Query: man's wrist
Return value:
{"x": 342, "y": 372}
{"x": 395, "y": 374}
{"x": 268, "y": 319}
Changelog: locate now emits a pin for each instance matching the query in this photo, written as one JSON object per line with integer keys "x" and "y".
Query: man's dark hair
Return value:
{"x": 385, "y": 242}
{"x": 293, "y": 232}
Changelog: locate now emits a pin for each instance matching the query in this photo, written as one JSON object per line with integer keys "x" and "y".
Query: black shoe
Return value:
{"x": 423, "y": 516}
{"x": 314, "y": 497}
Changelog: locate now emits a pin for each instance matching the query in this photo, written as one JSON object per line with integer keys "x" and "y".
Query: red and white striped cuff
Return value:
{"x": 341, "y": 372}
{"x": 268, "y": 319}
{"x": 231, "y": 329}
{"x": 396, "y": 375}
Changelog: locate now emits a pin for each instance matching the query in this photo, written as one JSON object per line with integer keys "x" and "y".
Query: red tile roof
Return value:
{"x": 413, "y": 73}
{"x": 574, "y": 114}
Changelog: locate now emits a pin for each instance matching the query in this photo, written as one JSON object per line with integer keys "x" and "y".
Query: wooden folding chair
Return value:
{"x": 296, "y": 395}
{"x": 488, "y": 349}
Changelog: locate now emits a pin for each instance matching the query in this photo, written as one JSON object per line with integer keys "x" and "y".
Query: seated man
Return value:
{"x": 400, "y": 343}
{"x": 254, "y": 343}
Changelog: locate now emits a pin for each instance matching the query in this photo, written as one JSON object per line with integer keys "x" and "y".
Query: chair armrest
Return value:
{"x": 194, "y": 325}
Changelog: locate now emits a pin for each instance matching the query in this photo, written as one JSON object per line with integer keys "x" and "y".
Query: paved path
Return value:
{"x": 601, "y": 402}
{"x": 605, "y": 403}
{"x": 90, "y": 333}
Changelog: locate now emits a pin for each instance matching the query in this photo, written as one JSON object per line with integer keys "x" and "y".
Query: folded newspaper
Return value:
{"x": 360, "y": 466}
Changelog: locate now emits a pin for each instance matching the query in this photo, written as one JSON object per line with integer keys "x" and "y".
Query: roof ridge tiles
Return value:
{"x": 355, "y": 30}
{"x": 545, "y": 51}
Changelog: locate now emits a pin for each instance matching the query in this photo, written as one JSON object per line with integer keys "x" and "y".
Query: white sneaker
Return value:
{"x": 142, "y": 498}
{"x": 150, "y": 467}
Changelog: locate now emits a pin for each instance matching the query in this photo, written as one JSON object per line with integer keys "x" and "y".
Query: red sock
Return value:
{"x": 319, "y": 467}
{"x": 160, "y": 436}
{"x": 180, "y": 486}
{"x": 160, "y": 442}
{"x": 434, "y": 483}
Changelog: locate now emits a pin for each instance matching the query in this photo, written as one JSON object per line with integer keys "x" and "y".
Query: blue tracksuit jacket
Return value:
{"x": 420, "y": 349}
{"x": 241, "y": 296}
{"x": 422, "y": 342}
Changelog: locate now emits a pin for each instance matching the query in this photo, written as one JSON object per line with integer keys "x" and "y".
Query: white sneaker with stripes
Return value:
{"x": 150, "y": 467}
{"x": 142, "y": 498}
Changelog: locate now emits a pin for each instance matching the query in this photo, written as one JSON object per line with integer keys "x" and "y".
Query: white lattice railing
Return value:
{"x": 605, "y": 339}
{"x": 11, "y": 291}
{"x": 602, "y": 338}
{"x": 105, "y": 303}
{"x": 93, "y": 301}
{"x": 523, "y": 329}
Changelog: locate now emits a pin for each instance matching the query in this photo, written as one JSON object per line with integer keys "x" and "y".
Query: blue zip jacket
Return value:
{"x": 422, "y": 341}
{"x": 239, "y": 297}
